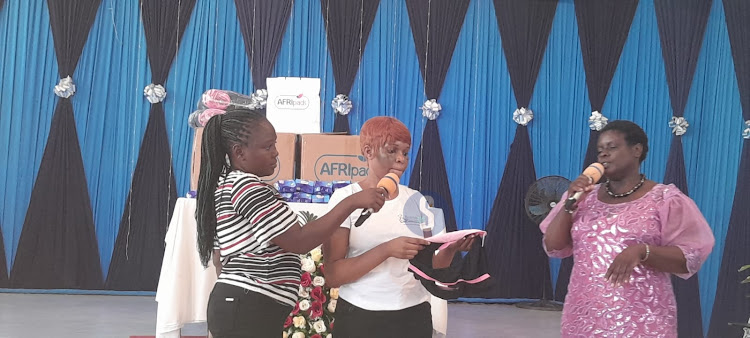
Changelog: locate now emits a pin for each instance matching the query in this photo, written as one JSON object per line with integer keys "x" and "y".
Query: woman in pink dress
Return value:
{"x": 627, "y": 235}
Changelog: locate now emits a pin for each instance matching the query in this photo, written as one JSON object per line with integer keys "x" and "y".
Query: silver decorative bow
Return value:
{"x": 431, "y": 109}
{"x": 597, "y": 121}
{"x": 341, "y": 104}
{"x": 746, "y": 132}
{"x": 259, "y": 99}
{"x": 679, "y": 125}
{"x": 65, "y": 88}
{"x": 154, "y": 93}
{"x": 523, "y": 116}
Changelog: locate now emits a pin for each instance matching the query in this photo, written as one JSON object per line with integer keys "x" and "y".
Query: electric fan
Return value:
{"x": 541, "y": 197}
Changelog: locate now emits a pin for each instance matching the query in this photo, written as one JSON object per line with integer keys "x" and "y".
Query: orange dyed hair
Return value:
{"x": 379, "y": 130}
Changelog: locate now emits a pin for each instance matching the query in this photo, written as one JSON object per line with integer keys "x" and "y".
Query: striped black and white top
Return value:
{"x": 249, "y": 214}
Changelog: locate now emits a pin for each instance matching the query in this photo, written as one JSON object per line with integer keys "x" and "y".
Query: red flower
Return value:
{"x": 316, "y": 310}
{"x": 318, "y": 294}
{"x": 322, "y": 271}
{"x": 305, "y": 280}
{"x": 316, "y": 336}
{"x": 330, "y": 325}
{"x": 296, "y": 309}
{"x": 288, "y": 322}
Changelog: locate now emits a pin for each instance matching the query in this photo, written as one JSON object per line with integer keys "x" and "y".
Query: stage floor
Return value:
{"x": 78, "y": 316}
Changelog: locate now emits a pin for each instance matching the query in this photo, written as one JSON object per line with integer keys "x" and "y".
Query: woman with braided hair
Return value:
{"x": 254, "y": 236}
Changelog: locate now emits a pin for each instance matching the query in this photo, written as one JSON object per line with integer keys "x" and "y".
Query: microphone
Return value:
{"x": 593, "y": 172}
{"x": 389, "y": 183}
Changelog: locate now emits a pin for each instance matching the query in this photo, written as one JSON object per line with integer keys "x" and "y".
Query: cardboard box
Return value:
{"x": 286, "y": 144}
{"x": 330, "y": 157}
{"x": 195, "y": 161}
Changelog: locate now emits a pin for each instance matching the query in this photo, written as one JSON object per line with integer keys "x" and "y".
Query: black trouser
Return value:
{"x": 234, "y": 312}
{"x": 354, "y": 322}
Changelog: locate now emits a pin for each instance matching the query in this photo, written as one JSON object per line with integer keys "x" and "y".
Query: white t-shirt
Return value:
{"x": 390, "y": 285}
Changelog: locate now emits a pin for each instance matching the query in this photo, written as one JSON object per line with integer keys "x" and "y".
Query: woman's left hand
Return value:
{"x": 622, "y": 267}
{"x": 463, "y": 244}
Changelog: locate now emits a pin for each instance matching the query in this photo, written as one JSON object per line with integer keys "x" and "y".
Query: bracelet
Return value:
{"x": 648, "y": 253}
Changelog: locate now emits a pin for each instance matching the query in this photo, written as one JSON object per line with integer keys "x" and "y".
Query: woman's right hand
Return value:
{"x": 581, "y": 183}
{"x": 405, "y": 247}
{"x": 371, "y": 198}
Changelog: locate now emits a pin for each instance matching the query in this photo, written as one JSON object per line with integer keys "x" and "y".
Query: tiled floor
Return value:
{"x": 62, "y": 316}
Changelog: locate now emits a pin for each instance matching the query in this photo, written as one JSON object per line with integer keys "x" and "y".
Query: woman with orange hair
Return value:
{"x": 378, "y": 296}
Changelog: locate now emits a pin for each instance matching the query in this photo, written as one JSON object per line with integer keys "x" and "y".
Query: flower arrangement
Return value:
{"x": 312, "y": 317}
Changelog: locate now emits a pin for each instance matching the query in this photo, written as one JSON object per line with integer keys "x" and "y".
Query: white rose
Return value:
{"x": 334, "y": 293}
{"x": 299, "y": 322}
{"x": 298, "y": 335}
{"x": 303, "y": 292}
{"x": 308, "y": 265}
{"x": 329, "y": 336}
{"x": 304, "y": 305}
{"x": 332, "y": 305}
{"x": 284, "y": 335}
{"x": 316, "y": 255}
{"x": 319, "y": 326}
{"x": 319, "y": 281}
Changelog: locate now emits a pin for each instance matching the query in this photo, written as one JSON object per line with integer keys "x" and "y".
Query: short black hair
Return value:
{"x": 634, "y": 134}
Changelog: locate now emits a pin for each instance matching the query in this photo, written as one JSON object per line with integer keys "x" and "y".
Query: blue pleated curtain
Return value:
{"x": 524, "y": 27}
{"x": 4, "y": 282}
{"x": 732, "y": 303}
{"x": 348, "y": 24}
{"x": 435, "y": 25}
{"x": 682, "y": 25}
{"x": 58, "y": 247}
{"x": 139, "y": 249}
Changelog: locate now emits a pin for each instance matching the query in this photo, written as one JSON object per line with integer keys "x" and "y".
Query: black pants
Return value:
{"x": 354, "y": 322}
{"x": 234, "y": 312}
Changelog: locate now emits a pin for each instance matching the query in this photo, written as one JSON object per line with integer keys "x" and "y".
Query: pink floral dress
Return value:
{"x": 644, "y": 307}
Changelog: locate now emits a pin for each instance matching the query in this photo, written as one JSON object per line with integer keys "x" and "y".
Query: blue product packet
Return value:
{"x": 305, "y": 186}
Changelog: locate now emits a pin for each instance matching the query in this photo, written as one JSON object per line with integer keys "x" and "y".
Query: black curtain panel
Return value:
{"x": 263, "y": 24}
{"x": 348, "y": 24}
{"x": 732, "y": 303}
{"x": 435, "y": 26}
{"x": 4, "y": 281}
{"x": 603, "y": 27}
{"x": 514, "y": 239}
{"x": 682, "y": 25}
{"x": 139, "y": 248}
{"x": 58, "y": 247}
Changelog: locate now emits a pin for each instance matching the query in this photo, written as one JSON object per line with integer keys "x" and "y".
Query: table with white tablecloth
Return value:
{"x": 184, "y": 285}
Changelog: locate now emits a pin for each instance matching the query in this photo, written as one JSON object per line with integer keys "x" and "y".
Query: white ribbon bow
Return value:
{"x": 341, "y": 104}
{"x": 431, "y": 109}
{"x": 597, "y": 121}
{"x": 154, "y": 93}
{"x": 679, "y": 125}
{"x": 523, "y": 116}
{"x": 259, "y": 99}
{"x": 65, "y": 88}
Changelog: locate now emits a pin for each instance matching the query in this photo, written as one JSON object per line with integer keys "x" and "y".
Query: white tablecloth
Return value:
{"x": 184, "y": 285}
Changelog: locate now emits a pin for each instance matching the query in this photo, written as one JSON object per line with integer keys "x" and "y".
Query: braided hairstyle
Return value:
{"x": 221, "y": 133}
